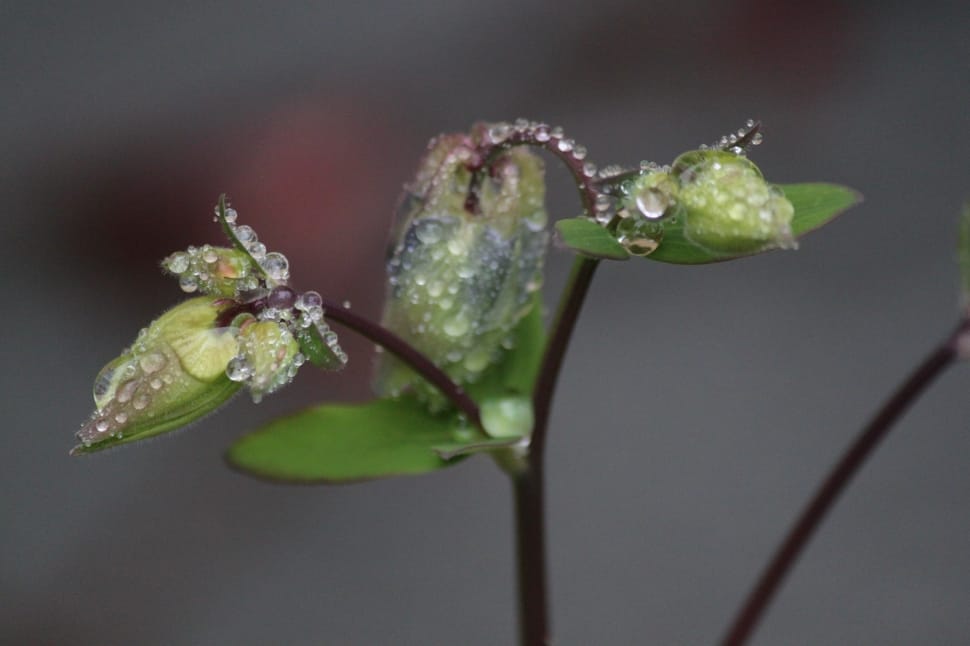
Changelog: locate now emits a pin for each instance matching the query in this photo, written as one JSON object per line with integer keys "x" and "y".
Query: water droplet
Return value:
{"x": 309, "y": 300}
{"x": 456, "y": 327}
{"x": 102, "y": 425}
{"x": 209, "y": 255}
{"x": 188, "y": 283}
{"x": 156, "y": 383}
{"x": 556, "y": 132}
{"x": 589, "y": 169}
{"x": 542, "y": 133}
{"x": 579, "y": 152}
{"x": 565, "y": 145}
{"x": 140, "y": 402}
{"x": 652, "y": 203}
{"x": 276, "y": 266}
{"x": 238, "y": 369}
{"x": 499, "y": 132}
{"x": 429, "y": 231}
{"x": 121, "y": 417}
{"x": 346, "y": 305}
{"x": 177, "y": 263}
{"x": 757, "y": 138}
{"x": 231, "y": 215}
{"x": 152, "y": 362}
{"x": 749, "y": 123}
{"x": 245, "y": 234}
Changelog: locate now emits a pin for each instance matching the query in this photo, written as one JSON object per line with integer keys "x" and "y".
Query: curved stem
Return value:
{"x": 540, "y": 135}
{"x": 836, "y": 482}
{"x": 408, "y": 354}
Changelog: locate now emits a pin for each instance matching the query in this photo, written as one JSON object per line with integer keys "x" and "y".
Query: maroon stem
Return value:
{"x": 408, "y": 354}
{"x": 836, "y": 482}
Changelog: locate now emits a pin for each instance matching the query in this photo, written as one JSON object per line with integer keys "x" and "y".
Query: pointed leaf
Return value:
{"x": 815, "y": 205}
{"x": 588, "y": 238}
{"x": 346, "y": 443}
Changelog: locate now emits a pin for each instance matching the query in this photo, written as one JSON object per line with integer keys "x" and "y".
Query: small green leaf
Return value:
{"x": 585, "y": 237}
{"x": 346, "y": 443}
{"x": 316, "y": 350}
{"x": 516, "y": 372}
{"x": 815, "y": 205}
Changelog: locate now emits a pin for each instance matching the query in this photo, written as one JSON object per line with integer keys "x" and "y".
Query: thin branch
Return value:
{"x": 407, "y": 353}
{"x": 836, "y": 482}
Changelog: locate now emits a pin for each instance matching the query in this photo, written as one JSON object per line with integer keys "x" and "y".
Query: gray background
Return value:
{"x": 699, "y": 406}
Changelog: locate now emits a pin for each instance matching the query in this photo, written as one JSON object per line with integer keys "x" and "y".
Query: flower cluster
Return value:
{"x": 247, "y": 328}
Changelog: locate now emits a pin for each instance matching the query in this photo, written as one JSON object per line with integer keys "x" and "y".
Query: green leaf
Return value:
{"x": 585, "y": 237}
{"x": 316, "y": 350}
{"x": 516, "y": 372}
{"x": 815, "y": 205}
{"x": 347, "y": 442}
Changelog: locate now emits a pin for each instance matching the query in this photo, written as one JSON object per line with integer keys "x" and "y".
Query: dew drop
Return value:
{"x": 121, "y": 417}
{"x": 276, "y": 266}
{"x": 238, "y": 369}
{"x": 542, "y": 133}
{"x": 245, "y": 234}
{"x": 188, "y": 283}
{"x": 231, "y": 215}
{"x": 499, "y": 132}
{"x": 140, "y": 402}
{"x": 102, "y": 425}
{"x": 177, "y": 263}
{"x": 152, "y": 362}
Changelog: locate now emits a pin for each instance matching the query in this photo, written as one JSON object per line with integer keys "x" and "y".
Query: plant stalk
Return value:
{"x": 408, "y": 354}
{"x": 531, "y": 558}
{"x": 838, "y": 479}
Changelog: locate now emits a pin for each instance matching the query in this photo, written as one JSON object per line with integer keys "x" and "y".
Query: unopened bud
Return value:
{"x": 173, "y": 374}
{"x": 465, "y": 267}
{"x": 728, "y": 206}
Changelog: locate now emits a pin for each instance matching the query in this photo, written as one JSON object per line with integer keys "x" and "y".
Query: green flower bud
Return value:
{"x": 173, "y": 374}
{"x": 268, "y": 358}
{"x": 465, "y": 266}
{"x": 219, "y": 271}
{"x": 728, "y": 207}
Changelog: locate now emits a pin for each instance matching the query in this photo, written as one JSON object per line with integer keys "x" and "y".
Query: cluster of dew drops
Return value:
{"x": 639, "y": 231}
{"x": 277, "y": 302}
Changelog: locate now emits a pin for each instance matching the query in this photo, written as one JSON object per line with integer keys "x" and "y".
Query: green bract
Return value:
{"x": 465, "y": 264}
{"x": 213, "y": 270}
{"x": 268, "y": 357}
{"x": 174, "y": 373}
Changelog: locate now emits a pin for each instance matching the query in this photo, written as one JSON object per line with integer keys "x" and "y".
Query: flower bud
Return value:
{"x": 728, "y": 207}
{"x": 268, "y": 358}
{"x": 465, "y": 265}
{"x": 173, "y": 374}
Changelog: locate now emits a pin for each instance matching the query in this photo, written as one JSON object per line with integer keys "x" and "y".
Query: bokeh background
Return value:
{"x": 699, "y": 406}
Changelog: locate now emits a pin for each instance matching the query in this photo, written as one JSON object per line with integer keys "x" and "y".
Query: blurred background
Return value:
{"x": 699, "y": 405}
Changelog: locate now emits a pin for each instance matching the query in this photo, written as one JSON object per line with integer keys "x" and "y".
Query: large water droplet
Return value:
{"x": 276, "y": 266}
